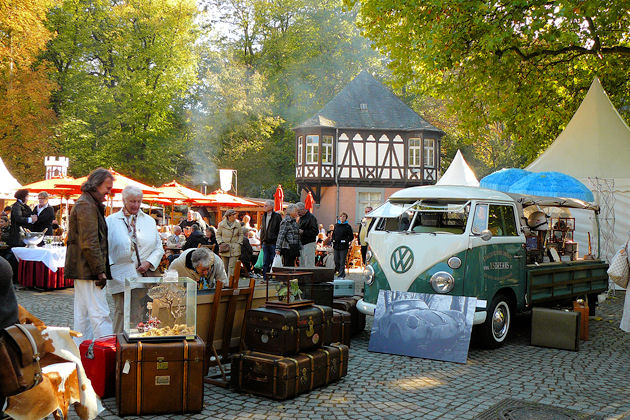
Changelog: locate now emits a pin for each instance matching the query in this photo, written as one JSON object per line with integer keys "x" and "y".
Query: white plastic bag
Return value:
{"x": 277, "y": 261}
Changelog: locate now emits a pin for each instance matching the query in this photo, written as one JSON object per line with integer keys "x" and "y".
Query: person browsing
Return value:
{"x": 135, "y": 250}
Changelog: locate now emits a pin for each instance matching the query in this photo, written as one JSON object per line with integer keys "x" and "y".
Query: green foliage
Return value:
{"x": 283, "y": 61}
{"x": 514, "y": 71}
{"x": 26, "y": 120}
{"x": 124, "y": 69}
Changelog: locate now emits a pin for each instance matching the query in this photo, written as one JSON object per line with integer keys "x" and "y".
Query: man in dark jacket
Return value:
{"x": 21, "y": 216}
{"x": 342, "y": 238}
{"x": 45, "y": 215}
{"x": 269, "y": 235}
{"x": 87, "y": 259}
{"x": 195, "y": 239}
{"x": 308, "y": 235}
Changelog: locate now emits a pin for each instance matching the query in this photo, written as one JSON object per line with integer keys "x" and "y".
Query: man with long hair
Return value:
{"x": 87, "y": 259}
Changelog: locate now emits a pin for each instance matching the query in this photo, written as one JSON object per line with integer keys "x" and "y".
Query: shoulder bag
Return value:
{"x": 21, "y": 347}
{"x": 619, "y": 269}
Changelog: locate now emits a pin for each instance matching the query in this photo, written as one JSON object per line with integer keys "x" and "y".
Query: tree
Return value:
{"x": 124, "y": 69}
{"x": 293, "y": 56}
{"x": 523, "y": 66}
{"x": 234, "y": 127}
{"x": 26, "y": 120}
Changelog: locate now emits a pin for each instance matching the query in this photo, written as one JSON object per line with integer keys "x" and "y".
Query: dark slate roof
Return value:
{"x": 385, "y": 111}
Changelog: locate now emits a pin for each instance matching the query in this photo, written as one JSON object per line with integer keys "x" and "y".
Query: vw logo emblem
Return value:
{"x": 402, "y": 259}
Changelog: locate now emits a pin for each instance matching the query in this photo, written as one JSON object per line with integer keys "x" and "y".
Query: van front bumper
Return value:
{"x": 479, "y": 318}
{"x": 366, "y": 308}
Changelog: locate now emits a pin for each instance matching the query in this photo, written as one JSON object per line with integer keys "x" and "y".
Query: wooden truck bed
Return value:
{"x": 565, "y": 280}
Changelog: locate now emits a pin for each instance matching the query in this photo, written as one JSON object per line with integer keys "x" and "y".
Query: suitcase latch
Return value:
{"x": 161, "y": 364}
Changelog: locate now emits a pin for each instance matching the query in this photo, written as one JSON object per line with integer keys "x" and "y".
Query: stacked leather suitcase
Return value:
{"x": 349, "y": 304}
{"x": 289, "y": 352}
{"x": 159, "y": 377}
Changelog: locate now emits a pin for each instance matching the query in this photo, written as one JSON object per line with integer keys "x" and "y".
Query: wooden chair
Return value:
{"x": 226, "y": 300}
{"x": 354, "y": 259}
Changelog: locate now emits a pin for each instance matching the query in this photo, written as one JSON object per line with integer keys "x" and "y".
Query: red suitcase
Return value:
{"x": 99, "y": 361}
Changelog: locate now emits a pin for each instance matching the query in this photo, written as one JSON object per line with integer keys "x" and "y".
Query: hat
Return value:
{"x": 230, "y": 212}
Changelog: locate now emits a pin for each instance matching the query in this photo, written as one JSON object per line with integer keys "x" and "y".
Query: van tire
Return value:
{"x": 496, "y": 328}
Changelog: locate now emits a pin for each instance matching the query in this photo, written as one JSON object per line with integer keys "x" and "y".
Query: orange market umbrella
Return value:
{"x": 278, "y": 199}
{"x": 120, "y": 182}
{"x": 50, "y": 186}
{"x": 309, "y": 202}
{"x": 176, "y": 192}
{"x": 220, "y": 198}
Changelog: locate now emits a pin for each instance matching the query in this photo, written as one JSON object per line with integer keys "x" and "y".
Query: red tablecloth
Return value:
{"x": 36, "y": 274}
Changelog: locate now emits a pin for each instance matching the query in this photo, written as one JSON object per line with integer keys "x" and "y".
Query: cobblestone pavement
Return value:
{"x": 595, "y": 380}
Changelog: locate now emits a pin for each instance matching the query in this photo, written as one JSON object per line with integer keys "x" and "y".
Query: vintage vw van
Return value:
{"x": 466, "y": 241}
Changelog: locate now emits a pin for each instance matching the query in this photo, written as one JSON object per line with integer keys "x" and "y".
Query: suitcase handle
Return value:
{"x": 89, "y": 353}
{"x": 264, "y": 379}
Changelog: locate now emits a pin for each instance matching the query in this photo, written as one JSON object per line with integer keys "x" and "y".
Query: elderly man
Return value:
{"x": 201, "y": 265}
{"x": 268, "y": 235}
{"x": 45, "y": 215}
{"x": 177, "y": 239}
{"x": 135, "y": 250}
{"x": 308, "y": 235}
{"x": 87, "y": 256}
{"x": 190, "y": 219}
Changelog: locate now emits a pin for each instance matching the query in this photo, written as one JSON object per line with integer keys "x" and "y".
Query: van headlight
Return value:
{"x": 368, "y": 256}
{"x": 442, "y": 282}
{"x": 368, "y": 275}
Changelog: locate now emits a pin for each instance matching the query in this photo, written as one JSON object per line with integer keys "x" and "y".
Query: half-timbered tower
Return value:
{"x": 361, "y": 147}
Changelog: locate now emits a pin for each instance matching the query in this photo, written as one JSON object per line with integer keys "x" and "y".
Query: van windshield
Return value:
{"x": 440, "y": 217}
{"x": 394, "y": 216}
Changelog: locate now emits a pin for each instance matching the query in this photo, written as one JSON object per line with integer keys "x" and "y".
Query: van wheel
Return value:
{"x": 497, "y": 326}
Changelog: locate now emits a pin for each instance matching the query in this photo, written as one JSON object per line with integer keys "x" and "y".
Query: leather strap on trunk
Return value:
{"x": 139, "y": 380}
{"x": 327, "y": 365}
{"x": 312, "y": 369}
{"x": 185, "y": 384}
{"x": 297, "y": 330}
{"x": 297, "y": 374}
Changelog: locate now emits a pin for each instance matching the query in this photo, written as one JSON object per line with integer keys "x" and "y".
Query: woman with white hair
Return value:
{"x": 135, "y": 249}
{"x": 288, "y": 243}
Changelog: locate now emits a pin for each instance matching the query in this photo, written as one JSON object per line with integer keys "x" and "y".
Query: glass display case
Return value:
{"x": 160, "y": 309}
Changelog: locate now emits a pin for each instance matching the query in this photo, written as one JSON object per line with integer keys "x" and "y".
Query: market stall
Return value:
{"x": 42, "y": 267}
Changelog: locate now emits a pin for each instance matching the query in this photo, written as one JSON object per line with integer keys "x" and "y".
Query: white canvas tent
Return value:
{"x": 8, "y": 184}
{"x": 459, "y": 173}
{"x": 595, "y": 148}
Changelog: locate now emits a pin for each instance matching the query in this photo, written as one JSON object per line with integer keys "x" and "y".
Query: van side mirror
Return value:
{"x": 486, "y": 235}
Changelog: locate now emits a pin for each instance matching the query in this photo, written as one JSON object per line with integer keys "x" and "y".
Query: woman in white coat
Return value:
{"x": 127, "y": 227}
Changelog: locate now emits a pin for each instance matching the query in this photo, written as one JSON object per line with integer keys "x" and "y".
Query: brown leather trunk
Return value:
{"x": 286, "y": 331}
{"x": 159, "y": 377}
{"x": 281, "y": 377}
{"x": 349, "y": 304}
{"x": 320, "y": 293}
{"x": 316, "y": 274}
{"x": 339, "y": 331}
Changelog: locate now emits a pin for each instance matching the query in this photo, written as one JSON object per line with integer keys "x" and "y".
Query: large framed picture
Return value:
{"x": 423, "y": 325}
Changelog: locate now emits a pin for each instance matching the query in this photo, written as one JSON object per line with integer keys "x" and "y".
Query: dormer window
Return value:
{"x": 363, "y": 107}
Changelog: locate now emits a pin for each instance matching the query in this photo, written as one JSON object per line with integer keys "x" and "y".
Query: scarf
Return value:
{"x": 130, "y": 222}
